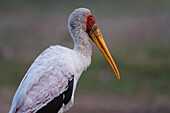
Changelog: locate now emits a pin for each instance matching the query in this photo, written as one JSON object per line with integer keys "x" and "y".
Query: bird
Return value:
{"x": 49, "y": 84}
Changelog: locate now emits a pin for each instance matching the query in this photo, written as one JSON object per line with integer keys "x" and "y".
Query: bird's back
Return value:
{"x": 46, "y": 78}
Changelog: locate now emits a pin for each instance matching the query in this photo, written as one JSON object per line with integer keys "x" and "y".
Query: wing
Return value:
{"x": 55, "y": 105}
{"x": 49, "y": 73}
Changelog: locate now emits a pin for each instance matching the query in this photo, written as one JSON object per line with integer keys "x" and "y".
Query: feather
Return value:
{"x": 46, "y": 79}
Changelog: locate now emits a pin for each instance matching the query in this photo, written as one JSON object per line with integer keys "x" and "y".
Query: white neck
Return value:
{"x": 77, "y": 28}
{"x": 82, "y": 44}
{"x": 81, "y": 39}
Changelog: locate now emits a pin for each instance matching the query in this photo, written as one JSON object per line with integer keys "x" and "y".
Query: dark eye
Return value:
{"x": 90, "y": 19}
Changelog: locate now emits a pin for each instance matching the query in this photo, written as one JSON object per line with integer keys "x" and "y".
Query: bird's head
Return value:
{"x": 82, "y": 19}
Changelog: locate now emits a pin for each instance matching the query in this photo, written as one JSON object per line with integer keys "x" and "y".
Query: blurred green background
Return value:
{"x": 137, "y": 34}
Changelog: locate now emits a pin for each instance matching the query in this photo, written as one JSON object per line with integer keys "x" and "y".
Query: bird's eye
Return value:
{"x": 90, "y": 19}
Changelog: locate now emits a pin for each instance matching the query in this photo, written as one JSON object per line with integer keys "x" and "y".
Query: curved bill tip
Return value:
{"x": 118, "y": 77}
{"x": 97, "y": 38}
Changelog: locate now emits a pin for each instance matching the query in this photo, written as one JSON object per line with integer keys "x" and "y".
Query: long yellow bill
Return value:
{"x": 97, "y": 37}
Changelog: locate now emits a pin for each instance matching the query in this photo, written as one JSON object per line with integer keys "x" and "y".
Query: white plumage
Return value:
{"x": 48, "y": 77}
{"x": 50, "y": 74}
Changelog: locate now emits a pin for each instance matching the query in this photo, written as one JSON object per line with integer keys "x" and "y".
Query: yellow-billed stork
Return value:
{"x": 49, "y": 84}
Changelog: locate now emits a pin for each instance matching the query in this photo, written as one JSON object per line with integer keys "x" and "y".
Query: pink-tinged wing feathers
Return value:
{"x": 50, "y": 85}
{"x": 46, "y": 78}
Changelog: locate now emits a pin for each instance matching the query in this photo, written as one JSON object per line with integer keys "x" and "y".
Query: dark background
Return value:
{"x": 137, "y": 33}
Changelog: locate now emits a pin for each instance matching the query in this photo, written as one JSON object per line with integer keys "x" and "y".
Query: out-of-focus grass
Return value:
{"x": 144, "y": 69}
{"x": 11, "y": 72}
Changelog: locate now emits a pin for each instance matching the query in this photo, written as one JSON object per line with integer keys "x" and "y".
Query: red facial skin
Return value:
{"x": 89, "y": 22}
